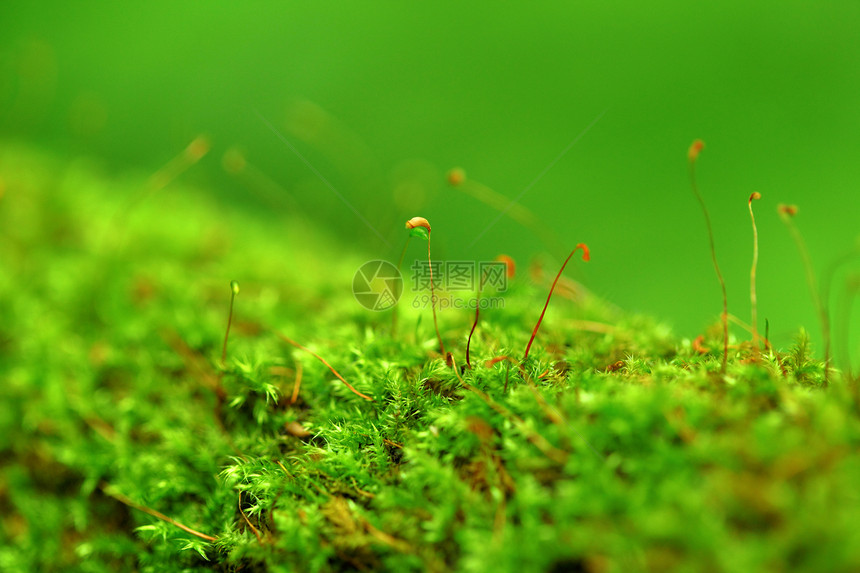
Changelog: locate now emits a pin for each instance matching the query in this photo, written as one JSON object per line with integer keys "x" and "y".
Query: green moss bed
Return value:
{"x": 127, "y": 445}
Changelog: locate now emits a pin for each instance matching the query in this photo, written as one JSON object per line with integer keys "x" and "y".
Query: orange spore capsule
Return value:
{"x": 510, "y": 266}
{"x": 696, "y": 147}
{"x": 418, "y": 222}
{"x": 456, "y": 176}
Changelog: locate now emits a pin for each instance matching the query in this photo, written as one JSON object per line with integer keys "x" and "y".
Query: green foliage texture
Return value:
{"x": 616, "y": 447}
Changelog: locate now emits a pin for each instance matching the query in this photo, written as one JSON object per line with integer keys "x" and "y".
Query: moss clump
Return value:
{"x": 623, "y": 450}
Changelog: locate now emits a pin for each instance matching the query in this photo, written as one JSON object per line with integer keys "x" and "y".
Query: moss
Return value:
{"x": 624, "y": 449}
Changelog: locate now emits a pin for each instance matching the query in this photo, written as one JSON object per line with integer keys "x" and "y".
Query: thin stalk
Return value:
{"x": 509, "y": 273}
{"x": 486, "y": 195}
{"x": 826, "y": 281}
{"x": 753, "y": 302}
{"x": 260, "y": 184}
{"x": 787, "y": 213}
{"x": 433, "y": 299}
{"x": 298, "y": 383}
{"x": 555, "y": 454}
{"x": 248, "y": 521}
{"x": 127, "y": 501}
{"x": 423, "y": 223}
{"x": 851, "y": 291}
{"x": 767, "y": 335}
{"x": 195, "y": 151}
{"x": 477, "y": 317}
{"x": 693, "y": 154}
{"x": 585, "y": 257}
{"x": 234, "y": 290}
{"x": 329, "y": 366}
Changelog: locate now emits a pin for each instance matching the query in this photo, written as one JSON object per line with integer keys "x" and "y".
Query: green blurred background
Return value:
{"x": 383, "y": 98}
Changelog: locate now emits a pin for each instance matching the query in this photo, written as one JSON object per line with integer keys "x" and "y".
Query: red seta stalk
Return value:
{"x": 509, "y": 273}
{"x": 474, "y": 326}
{"x": 585, "y": 257}
{"x": 325, "y": 363}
